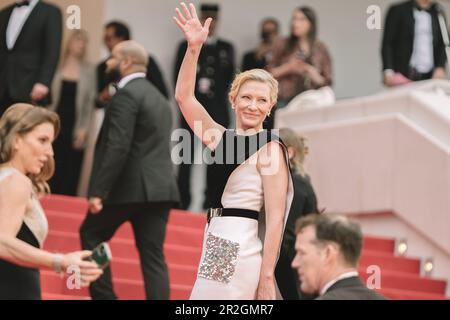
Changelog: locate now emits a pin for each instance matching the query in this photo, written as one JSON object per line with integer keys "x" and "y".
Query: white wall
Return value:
{"x": 342, "y": 26}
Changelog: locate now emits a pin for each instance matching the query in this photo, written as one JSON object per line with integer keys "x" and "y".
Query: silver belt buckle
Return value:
{"x": 213, "y": 213}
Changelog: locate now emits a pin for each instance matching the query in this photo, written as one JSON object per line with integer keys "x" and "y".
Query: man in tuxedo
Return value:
{"x": 132, "y": 177}
{"x": 30, "y": 41}
{"x": 115, "y": 33}
{"x": 328, "y": 250}
{"x": 216, "y": 69}
{"x": 413, "y": 48}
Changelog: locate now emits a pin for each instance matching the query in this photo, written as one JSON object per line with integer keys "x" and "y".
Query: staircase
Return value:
{"x": 400, "y": 277}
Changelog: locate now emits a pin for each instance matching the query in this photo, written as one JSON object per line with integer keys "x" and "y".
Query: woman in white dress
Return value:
{"x": 246, "y": 224}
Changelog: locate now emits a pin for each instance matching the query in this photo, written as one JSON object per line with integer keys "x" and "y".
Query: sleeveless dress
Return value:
{"x": 232, "y": 247}
{"x": 16, "y": 282}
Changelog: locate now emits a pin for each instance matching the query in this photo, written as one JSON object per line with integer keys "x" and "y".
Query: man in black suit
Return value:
{"x": 413, "y": 48}
{"x": 115, "y": 33}
{"x": 216, "y": 69}
{"x": 328, "y": 249}
{"x": 30, "y": 41}
{"x": 132, "y": 176}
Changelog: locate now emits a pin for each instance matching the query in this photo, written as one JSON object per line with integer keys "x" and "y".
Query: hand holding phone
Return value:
{"x": 101, "y": 255}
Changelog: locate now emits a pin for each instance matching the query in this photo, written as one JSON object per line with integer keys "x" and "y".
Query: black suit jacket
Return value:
{"x": 398, "y": 39}
{"x": 35, "y": 55}
{"x": 350, "y": 289}
{"x": 154, "y": 75}
{"x": 217, "y": 65}
{"x": 132, "y": 162}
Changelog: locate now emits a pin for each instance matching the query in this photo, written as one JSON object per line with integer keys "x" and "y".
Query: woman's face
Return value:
{"x": 300, "y": 24}
{"x": 77, "y": 47}
{"x": 252, "y": 104}
{"x": 34, "y": 149}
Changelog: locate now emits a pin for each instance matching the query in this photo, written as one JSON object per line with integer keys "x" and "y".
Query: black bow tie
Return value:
{"x": 22, "y": 3}
{"x": 429, "y": 9}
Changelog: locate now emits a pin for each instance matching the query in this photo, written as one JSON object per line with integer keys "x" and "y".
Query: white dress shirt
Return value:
{"x": 343, "y": 276}
{"x": 422, "y": 58}
{"x": 18, "y": 18}
{"x": 122, "y": 83}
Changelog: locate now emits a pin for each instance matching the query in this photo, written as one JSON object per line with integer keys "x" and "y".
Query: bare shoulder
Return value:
{"x": 15, "y": 187}
{"x": 271, "y": 158}
{"x": 272, "y": 148}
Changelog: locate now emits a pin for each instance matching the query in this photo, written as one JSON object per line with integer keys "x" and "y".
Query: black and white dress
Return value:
{"x": 232, "y": 248}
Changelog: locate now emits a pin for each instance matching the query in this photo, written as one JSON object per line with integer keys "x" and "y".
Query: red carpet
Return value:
{"x": 400, "y": 277}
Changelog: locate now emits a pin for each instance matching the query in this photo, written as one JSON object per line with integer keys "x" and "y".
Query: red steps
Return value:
{"x": 389, "y": 262}
{"x": 55, "y": 288}
{"x": 400, "y": 276}
{"x": 396, "y": 294}
{"x": 402, "y": 281}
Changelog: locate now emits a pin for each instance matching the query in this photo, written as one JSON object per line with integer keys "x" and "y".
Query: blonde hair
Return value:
{"x": 77, "y": 33}
{"x": 255, "y": 75}
{"x": 298, "y": 144}
{"x": 20, "y": 119}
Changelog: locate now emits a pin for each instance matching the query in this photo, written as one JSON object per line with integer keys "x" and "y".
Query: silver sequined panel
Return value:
{"x": 220, "y": 259}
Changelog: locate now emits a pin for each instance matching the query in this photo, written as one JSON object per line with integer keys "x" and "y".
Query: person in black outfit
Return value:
{"x": 413, "y": 48}
{"x": 328, "y": 247}
{"x": 215, "y": 74}
{"x": 260, "y": 57}
{"x": 74, "y": 88}
{"x": 115, "y": 33}
{"x": 132, "y": 177}
{"x": 304, "y": 203}
{"x": 30, "y": 40}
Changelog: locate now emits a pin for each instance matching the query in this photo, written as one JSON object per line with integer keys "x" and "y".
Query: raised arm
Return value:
{"x": 194, "y": 113}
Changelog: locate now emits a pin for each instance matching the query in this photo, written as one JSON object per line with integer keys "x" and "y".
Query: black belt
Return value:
{"x": 229, "y": 212}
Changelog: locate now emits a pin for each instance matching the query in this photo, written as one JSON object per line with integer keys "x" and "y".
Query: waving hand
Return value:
{"x": 195, "y": 33}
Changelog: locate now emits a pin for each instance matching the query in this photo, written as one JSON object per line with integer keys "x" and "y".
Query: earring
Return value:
{"x": 269, "y": 114}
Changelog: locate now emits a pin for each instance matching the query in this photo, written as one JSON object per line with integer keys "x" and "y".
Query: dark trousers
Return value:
{"x": 149, "y": 223}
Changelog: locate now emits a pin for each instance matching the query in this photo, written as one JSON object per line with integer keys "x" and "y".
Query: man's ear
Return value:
{"x": 127, "y": 62}
{"x": 331, "y": 252}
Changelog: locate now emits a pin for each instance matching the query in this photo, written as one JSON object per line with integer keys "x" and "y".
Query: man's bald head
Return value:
{"x": 134, "y": 51}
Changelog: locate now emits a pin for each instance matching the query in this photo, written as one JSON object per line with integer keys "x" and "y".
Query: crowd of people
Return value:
{"x": 261, "y": 206}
